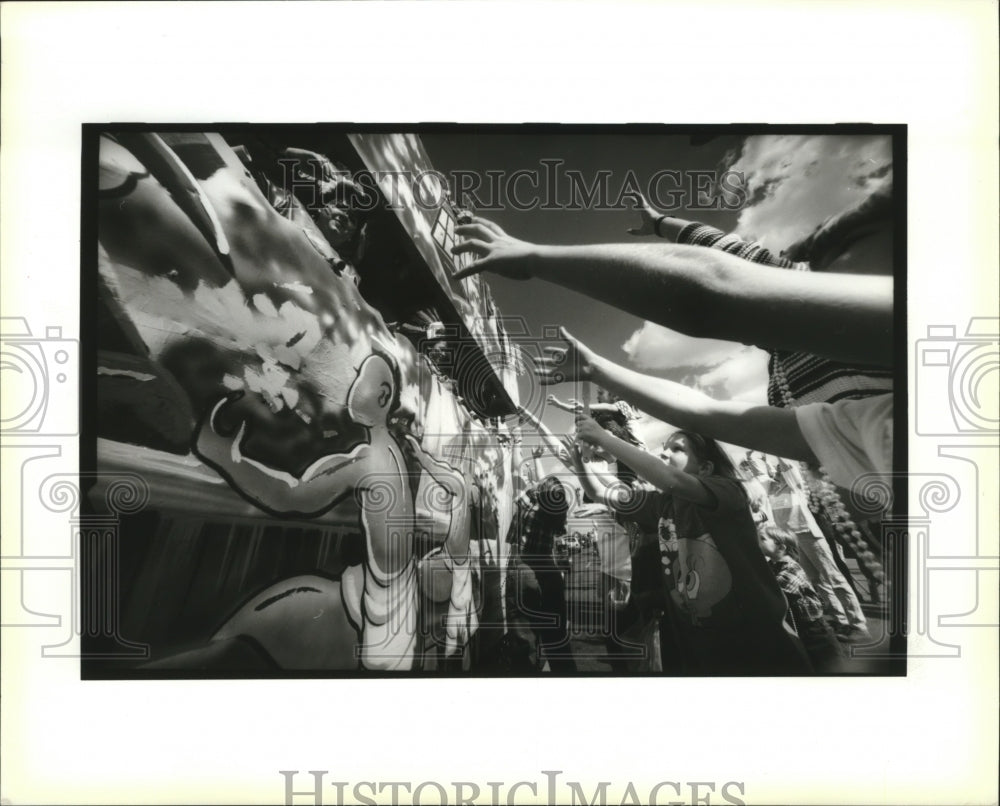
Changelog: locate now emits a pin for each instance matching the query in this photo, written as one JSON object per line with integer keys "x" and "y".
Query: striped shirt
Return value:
{"x": 795, "y": 378}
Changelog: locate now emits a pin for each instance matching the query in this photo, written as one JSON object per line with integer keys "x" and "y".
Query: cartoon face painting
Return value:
{"x": 701, "y": 576}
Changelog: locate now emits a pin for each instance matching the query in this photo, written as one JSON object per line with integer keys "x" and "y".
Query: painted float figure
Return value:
{"x": 381, "y": 596}
{"x": 235, "y": 345}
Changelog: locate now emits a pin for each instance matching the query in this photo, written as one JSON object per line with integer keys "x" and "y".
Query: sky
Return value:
{"x": 792, "y": 183}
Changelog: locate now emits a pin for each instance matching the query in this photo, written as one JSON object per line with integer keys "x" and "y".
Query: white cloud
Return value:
{"x": 741, "y": 376}
{"x": 653, "y": 347}
{"x": 722, "y": 370}
{"x": 652, "y": 432}
{"x": 798, "y": 181}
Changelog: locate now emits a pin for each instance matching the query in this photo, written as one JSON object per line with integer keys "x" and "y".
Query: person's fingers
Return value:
{"x": 488, "y": 224}
{"x": 470, "y": 271}
{"x": 475, "y": 245}
{"x": 475, "y": 231}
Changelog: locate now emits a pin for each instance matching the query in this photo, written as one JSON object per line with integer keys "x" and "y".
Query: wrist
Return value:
{"x": 540, "y": 257}
{"x": 595, "y": 369}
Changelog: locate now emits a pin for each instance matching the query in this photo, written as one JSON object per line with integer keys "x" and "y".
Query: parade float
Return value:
{"x": 305, "y": 411}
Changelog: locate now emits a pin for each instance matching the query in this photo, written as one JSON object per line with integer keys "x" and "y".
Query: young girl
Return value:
{"x": 781, "y": 550}
{"x": 728, "y": 608}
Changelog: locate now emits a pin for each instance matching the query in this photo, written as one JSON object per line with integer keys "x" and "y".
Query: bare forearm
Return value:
{"x": 707, "y": 293}
{"x": 592, "y": 485}
{"x": 647, "y": 466}
{"x": 759, "y": 427}
{"x": 614, "y": 496}
{"x": 605, "y": 478}
{"x": 549, "y": 440}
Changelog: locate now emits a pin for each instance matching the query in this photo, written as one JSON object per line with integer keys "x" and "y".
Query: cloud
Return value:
{"x": 741, "y": 376}
{"x": 652, "y": 432}
{"x": 796, "y": 182}
{"x": 653, "y": 347}
{"x": 720, "y": 369}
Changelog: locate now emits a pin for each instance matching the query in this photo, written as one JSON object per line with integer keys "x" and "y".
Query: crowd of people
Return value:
{"x": 723, "y": 581}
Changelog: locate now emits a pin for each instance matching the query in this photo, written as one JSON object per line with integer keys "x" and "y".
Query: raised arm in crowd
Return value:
{"x": 705, "y": 293}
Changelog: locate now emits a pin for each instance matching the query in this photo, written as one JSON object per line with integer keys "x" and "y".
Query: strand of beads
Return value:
{"x": 823, "y": 495}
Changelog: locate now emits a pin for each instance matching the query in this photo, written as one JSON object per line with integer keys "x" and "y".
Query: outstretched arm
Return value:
{"x": 321, "y": 486}
{"x": 616, "y": 496}
{"x": 550, "y": 440}
{"x": 693, "y": 233}
{"x": 762, "y": 428}
{"x": 652, "y": 222}
{"x": 652, "y": 469}
{"x": 706, "y": 293}
{"x": 573, "y": 406}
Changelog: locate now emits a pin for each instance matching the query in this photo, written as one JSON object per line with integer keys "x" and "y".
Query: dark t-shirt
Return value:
{"x": 724, "y": 599}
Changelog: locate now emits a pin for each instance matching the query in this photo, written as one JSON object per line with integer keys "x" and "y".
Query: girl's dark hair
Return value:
{"x": 707, "y": 449}
{"x": 783, "y": 539}
{"x": 553, "y": 501}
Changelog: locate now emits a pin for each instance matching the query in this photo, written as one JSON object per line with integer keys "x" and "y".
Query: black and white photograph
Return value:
{"x": 499, "y": 402}
{"x": 493, "y": 401}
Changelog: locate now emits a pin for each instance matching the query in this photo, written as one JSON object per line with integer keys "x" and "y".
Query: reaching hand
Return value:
{"x": 574, "y": 362}
{"x": 573, "y": 456}
{"x": 572, "y": 405}
{"x": 649, "y": 218}
{"x": 494, "y": 250}
{"x": 589, "y": 431}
